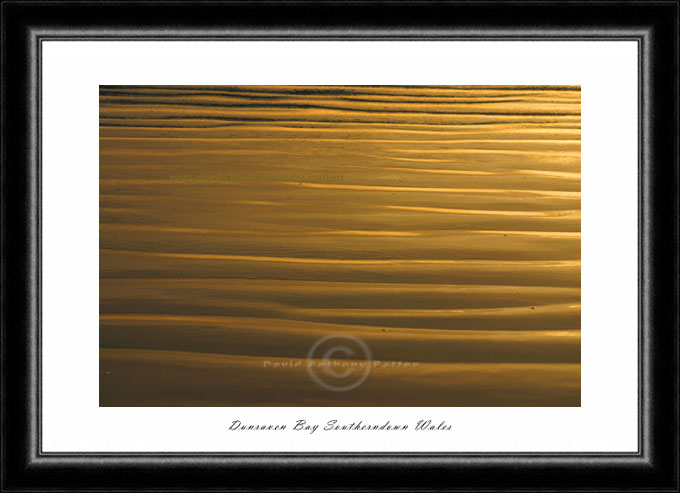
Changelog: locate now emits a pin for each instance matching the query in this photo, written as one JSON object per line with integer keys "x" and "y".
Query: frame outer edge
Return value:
{"x": 32, "y": 469}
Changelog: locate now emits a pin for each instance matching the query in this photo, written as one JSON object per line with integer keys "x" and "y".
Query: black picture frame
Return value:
{"x": 653, "y": 24}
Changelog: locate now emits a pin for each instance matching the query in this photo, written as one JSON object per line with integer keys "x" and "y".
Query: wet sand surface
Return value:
{"x": 439, "y": 225}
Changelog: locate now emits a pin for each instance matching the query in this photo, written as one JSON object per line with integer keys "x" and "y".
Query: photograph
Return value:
{"x": 346, "y": 245}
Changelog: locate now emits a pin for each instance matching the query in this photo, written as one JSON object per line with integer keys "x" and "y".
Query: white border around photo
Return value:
{"x": 607, "y": 72}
